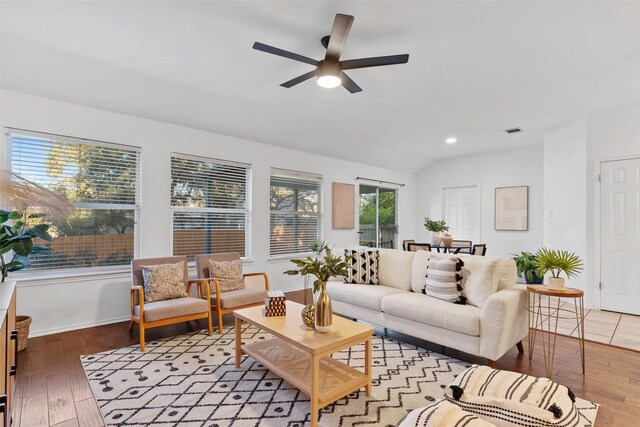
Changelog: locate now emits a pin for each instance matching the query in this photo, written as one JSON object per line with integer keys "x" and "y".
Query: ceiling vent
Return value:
{"x": 513, "y": 130}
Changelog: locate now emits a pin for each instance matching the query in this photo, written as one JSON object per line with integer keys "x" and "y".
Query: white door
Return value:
{"x": 620, "y": 236}
{"x": 462, "y": 212}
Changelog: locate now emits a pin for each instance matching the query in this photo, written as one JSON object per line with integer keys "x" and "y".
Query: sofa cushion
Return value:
{"x": 431, "y": 311}
{"x": 442, "y": 413}
{"x": 365, "y": 296}
{"x": 167, "y": 309}
{"x": 394, "y": 268}
{"x": 443, "y": 279}
{"x": 511, "y": 398}
{"x": 362, "y": 267}
{"x": 240, "y": 297}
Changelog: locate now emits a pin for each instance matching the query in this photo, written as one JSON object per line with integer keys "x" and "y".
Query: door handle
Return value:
{"x": 14, "y": 368}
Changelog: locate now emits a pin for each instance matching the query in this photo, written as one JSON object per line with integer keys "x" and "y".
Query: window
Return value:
{"x": 209, "y": 200}
{"x": 100, "y": 179}
{"x": 296, "y": 217}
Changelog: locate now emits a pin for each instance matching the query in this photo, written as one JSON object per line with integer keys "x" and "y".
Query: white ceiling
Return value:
{"x": 475, "y": 68}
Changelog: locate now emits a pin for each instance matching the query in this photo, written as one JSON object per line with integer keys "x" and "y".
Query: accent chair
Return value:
{"x": 170, "y": 311}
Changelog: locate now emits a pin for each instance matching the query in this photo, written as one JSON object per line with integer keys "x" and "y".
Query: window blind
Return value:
{"x": 295, "y": 212}
{"x": 99, "y": 179}
{"x": 209, "y": 200}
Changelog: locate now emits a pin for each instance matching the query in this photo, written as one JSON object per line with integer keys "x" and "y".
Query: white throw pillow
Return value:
{"x": 442, "y": 413}
{"x": 510, "y": 398}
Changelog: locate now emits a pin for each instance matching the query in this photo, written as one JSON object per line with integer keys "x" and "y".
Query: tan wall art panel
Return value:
{"x": 343, "y": 204}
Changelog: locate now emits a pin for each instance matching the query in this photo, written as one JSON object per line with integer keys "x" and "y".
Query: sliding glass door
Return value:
{"x": 378, "y": 223}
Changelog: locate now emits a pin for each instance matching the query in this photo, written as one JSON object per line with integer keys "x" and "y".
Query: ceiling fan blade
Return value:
{"x": 284, "y": 53}
{"x": 376, "y": 61}
{"x": 338, "y": 37}
{"x": 349, "y": 84}
{"x": 300, "y": 79}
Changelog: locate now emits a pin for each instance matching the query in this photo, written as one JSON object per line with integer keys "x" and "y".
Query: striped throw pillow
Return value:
{"x": 442, "y": 413}
{"x": 443, "y": 279}
{"x": 511, "y": 398}
{"x": 362, "y": 267}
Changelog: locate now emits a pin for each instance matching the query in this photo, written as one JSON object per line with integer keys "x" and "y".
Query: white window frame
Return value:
{"x": 82, "y": 271}
{"x": 247, "y": 211}
{"x": 303, "y": 176}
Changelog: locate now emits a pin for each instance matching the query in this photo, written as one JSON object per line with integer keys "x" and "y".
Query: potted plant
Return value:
{"x": 323, "y": 268}
{"x": 16, "y": 241}
{"x": 525, "y": 263}
{"x": 437, "y": 228}
{"x": 556, "y": 262}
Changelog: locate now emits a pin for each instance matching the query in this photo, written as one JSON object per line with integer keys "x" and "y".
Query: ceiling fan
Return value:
{"x": 330, "y": 70}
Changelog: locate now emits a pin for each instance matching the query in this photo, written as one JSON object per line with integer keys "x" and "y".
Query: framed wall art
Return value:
{"x": 512, "y": 208}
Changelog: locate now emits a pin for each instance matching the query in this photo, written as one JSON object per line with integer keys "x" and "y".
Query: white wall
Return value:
{"x": 611, "y": 135}
{"x": 520, "y": 166}
{"x": 565, "y": 194}
{"x": 68, "y": 303}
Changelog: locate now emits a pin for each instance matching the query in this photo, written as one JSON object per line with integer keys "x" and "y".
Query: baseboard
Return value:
{"x": 33, "y": 334}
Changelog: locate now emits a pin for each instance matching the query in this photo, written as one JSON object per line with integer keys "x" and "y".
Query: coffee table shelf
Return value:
{"x": 294, "y": 366}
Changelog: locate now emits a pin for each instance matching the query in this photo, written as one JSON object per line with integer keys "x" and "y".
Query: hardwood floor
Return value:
{"x": 52, "y": 390}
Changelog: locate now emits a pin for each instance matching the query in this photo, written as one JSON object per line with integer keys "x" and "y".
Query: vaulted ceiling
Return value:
{"x": 475, "y": 69}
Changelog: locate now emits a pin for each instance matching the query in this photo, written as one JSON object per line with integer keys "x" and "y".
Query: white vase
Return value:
{"x": 556, "y": 283}
{"x": 436, "y": 238}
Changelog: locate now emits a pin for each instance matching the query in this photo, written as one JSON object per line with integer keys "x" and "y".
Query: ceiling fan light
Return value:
{"x": 329, "y": 81}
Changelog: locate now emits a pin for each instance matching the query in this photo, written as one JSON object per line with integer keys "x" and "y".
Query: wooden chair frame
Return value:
{"x": 138, "y": 291}
{"x": 483, "y": 246}
{"x": 217, "y": 307}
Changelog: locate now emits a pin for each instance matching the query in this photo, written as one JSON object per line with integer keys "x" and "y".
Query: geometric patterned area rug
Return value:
{"x": 191, "y": 381}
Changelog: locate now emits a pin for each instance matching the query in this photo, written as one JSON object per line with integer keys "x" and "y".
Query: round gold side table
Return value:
{"x": 544, "y": 314}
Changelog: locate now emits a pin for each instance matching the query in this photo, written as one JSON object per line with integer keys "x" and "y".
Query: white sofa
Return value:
{"x": 494, "y": 319}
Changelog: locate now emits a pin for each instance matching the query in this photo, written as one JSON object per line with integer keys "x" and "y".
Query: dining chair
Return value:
{"x": 405, "y": 244}
{"x": 414, "y": 247}
{"x": 254, "y": 293}
{"x": 479, "y": 249}
{"x": 160, "y": 313}
{"x": 465, "y": 246}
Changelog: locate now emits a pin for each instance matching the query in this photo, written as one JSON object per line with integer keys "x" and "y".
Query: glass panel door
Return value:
{"x": 378, "y": 227}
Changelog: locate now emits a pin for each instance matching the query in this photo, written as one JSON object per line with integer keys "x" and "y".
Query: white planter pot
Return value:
{"x": 556, "y": 283}
{"x": 436, "y": 238}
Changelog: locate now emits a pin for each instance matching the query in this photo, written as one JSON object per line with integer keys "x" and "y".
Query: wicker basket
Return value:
{"x": 22, "y": 325}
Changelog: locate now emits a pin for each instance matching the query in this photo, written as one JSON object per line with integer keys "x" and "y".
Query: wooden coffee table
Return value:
{"x": 302, "y": 357}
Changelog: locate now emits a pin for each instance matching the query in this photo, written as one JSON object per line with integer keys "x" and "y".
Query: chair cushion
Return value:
{"x": 442, "y": 413}
{"x": 443, "y": 279}
{"x": 431, "y": 311}
{"x": 228, "y": 273}
{"x": 240, "y": 297}
{"x": 365, "y": 296}
{"x": 163, "y": 282}
{"x": 168, "y": 309}
{"x": 362, "y": 268}
{"x": 510, "y": 398}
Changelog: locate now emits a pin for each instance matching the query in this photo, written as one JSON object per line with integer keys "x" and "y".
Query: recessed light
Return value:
{"x": 451, "y": 140}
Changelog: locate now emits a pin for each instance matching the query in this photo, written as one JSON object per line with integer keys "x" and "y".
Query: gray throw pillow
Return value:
{"x": 163, "y": 282}
{"x": 228, "y": 273}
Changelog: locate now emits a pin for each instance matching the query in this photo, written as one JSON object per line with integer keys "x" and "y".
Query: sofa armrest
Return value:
{"x": 504, "y": 321}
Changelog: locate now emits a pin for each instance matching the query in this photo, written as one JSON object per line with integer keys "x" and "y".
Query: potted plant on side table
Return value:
{"x": 556, "y": 262}
{"x": 323, "y": 268}
{"x": 526, "y": 265}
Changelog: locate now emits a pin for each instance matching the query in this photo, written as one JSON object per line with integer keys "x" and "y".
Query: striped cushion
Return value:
{"x": 443, "y": 279}
{"x": 512, "y": 399}
{"x": 442, "y": 413}
{"x": 362, "y": 267}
